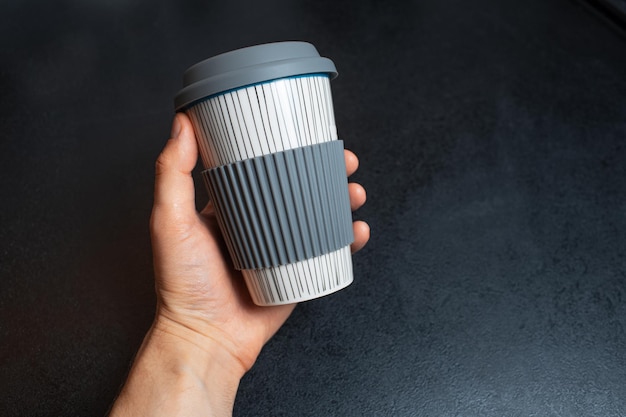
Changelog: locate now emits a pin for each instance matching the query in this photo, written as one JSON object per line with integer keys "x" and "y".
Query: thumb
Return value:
{"x": 174, "y": 190}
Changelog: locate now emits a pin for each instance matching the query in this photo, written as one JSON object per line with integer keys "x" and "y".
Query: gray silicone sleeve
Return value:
{"x": 283, "y": 207}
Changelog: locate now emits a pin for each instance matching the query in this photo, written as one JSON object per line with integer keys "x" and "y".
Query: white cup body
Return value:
{"x": 267, "y": 118}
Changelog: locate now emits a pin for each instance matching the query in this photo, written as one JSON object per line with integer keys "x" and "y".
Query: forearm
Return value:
{"x": 178, "y": 372}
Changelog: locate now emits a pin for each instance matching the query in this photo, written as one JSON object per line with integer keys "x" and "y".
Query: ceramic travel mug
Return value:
{"x": 274, "y": 169}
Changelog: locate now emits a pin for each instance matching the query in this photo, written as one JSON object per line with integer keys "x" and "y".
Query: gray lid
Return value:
{"x": 250, "y": 65}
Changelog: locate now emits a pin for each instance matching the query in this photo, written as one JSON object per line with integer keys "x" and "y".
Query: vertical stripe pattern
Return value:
{"x": 283, "y": 207}
{"x": 300, "y": 281}
{"x": 264, "y": 119}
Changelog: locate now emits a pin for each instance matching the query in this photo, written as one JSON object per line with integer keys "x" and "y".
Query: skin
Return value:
{"x": 207, "y": 333}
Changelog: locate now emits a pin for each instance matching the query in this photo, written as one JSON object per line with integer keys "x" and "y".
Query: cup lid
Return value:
{"x": 251, "y": 65}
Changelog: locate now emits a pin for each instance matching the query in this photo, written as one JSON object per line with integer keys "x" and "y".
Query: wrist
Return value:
{"x": 178, "y": 371}
{"x": 241, "y": 341}
{"x": 201, "y": 354}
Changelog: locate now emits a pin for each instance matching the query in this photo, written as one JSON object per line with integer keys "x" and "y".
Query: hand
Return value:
{"x": 203, "y": 307}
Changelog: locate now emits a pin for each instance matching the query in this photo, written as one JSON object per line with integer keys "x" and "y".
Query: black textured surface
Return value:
{"x": 491, "y": 136}
{"x": 617, "y": 5}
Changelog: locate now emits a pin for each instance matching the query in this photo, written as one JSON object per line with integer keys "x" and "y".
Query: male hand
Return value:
{"x": 207, "y": 331}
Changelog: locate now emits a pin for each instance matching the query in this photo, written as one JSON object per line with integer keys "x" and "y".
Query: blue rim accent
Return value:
{"x": 318, "y": 74}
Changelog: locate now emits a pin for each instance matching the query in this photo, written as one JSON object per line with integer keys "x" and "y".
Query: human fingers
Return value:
{"x": 352, "y": 162}
{"x": 357, "y": 195}
{"x": 361, "y": 235}
{"x": 174, "y": 193}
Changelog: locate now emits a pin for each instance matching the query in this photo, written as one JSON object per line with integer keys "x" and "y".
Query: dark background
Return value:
{"x": 492, "y": 142}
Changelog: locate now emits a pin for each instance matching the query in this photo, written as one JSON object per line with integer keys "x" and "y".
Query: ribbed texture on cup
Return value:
{"x": 259, "y": 120}
{"x": 300, "y": 281}
{"x": 284, "y": 207}
{"x": 265, "y": 118}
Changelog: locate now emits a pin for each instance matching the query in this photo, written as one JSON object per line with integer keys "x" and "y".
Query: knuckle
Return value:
{"x": 161, "y": 165}
{"x": 164, "y": 161}
{"x": 170, "y": 222}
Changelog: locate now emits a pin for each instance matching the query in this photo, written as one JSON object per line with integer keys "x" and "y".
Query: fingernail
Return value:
{"x": 176, "y": 127}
